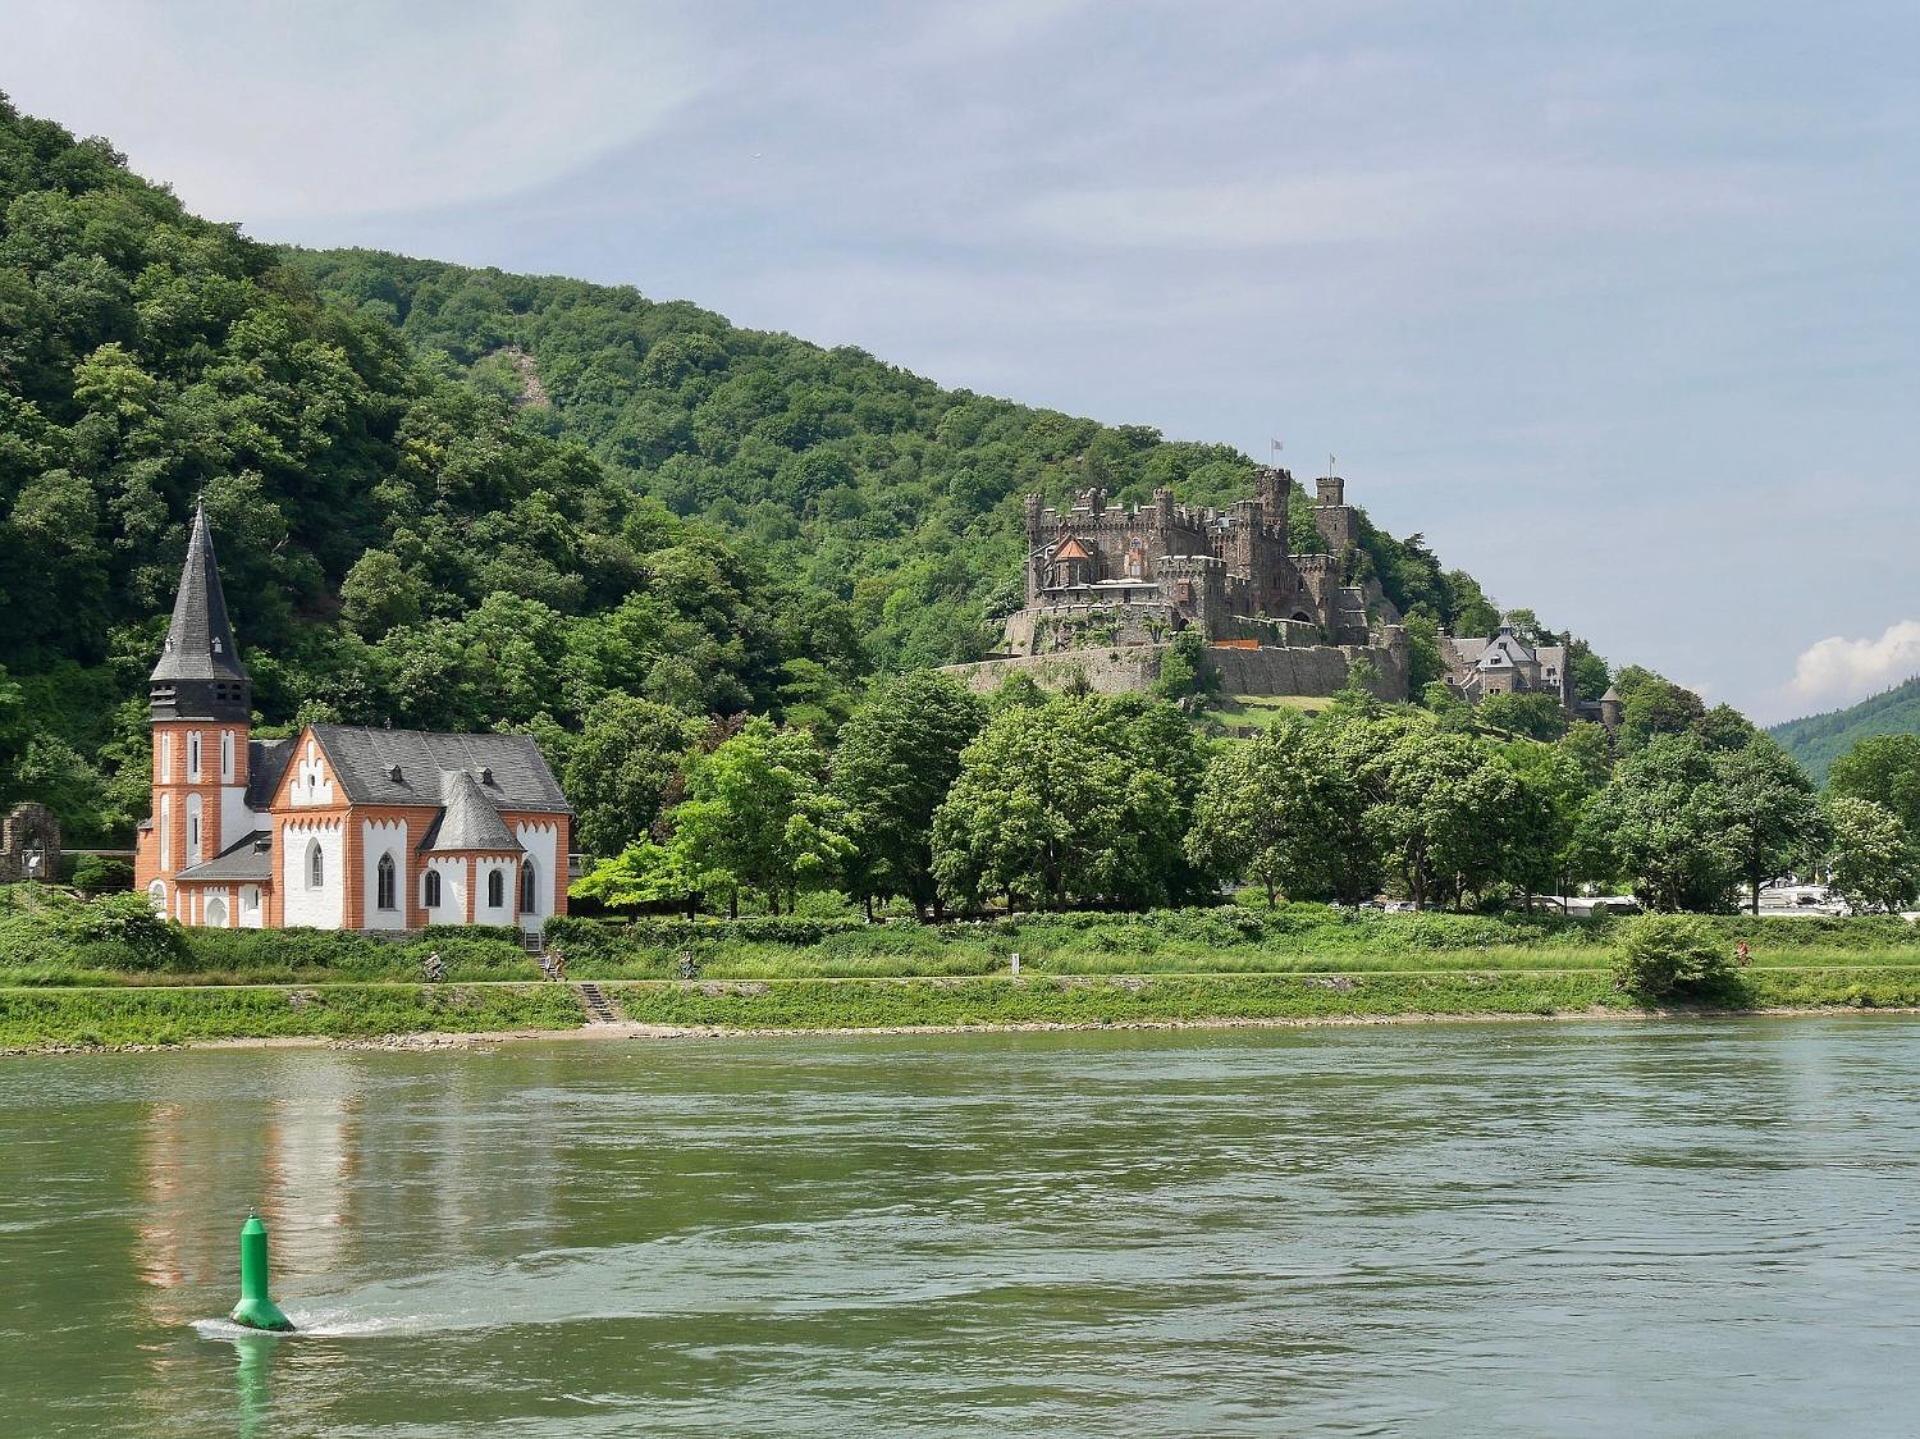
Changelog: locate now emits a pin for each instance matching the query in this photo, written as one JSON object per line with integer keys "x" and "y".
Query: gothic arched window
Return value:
{"x": 316, "y": 866}
{"x": 496, "y": 889}
{"x": 383, "y": 884}
{"x": 529, "y": 889}
{"x": 430, "y": 889}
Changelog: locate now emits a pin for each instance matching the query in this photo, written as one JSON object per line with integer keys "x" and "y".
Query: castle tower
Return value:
{"x": 1332, "y": 515}
{"x": 200, "y": 703}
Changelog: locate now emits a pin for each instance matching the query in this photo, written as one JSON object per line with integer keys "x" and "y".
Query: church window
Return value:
{"x": 216, "y": 913}
{"x": 529, "y": 889}
{"x": 193, "y": 755}
{"x": 496, "y": 889}
{"x": 193, "y": 829}
{"x": 166, "y": 831}
{"x": 316, "y": 866}
{"x": 383, "y": 884}
{"x": 250, "y": 899}
{"x": 430, "y": 889}
{"x": 157, "y": 897}
{"x": 166, "y": 758}
{"x": 226, "y": 756}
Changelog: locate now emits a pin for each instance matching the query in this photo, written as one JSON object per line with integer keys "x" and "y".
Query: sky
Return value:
{"x": 1614, "y": 303}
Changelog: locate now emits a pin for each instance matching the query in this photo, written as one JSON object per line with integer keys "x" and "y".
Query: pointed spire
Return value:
{"x": 199, "y": 675}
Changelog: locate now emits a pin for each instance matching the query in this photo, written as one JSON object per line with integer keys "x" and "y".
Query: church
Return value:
{"x": 339, "y": 827}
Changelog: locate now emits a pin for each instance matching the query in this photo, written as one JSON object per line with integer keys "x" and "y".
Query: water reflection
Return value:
{"x": 253, "y": 1363}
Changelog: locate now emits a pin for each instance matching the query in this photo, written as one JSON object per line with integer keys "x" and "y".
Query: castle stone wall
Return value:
{"x": 1317, "y": 670}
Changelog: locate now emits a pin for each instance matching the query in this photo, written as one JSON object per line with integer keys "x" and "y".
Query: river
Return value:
{"x": 1595, "y": 1228}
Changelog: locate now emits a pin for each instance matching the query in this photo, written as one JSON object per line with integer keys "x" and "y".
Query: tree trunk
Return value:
{"x": 868, "y": 900}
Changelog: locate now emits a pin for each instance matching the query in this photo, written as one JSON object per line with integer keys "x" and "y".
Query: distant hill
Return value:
{"x": 1819, "y": 740}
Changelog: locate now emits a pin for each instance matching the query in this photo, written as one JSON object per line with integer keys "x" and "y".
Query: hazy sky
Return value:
{"x": 1614, "y": 302}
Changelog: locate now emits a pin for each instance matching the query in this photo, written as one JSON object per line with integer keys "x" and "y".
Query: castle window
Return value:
{"x": 383, "y": 884}
{"x": 430, "y": 889}
{"x": 316, "y": 866}
{"x": 496, "y": 889}
{"x": 529, "y": 889}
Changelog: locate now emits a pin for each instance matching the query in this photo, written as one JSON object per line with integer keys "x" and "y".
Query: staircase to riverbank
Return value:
{"x": 599, "y": 1010}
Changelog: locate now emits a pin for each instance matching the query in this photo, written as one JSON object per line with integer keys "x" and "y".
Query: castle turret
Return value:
{"x": 1613, "y": 708}
{"x": 200, "y": 707}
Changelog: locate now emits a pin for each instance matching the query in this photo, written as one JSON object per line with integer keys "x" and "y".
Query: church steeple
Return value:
{"x": 200, "y": 675}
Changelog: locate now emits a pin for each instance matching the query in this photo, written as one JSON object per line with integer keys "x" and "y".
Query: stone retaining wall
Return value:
{"x": 1315, "y": 670}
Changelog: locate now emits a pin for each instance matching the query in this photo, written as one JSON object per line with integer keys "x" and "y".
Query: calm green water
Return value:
{"x": 1648, "y": 1229}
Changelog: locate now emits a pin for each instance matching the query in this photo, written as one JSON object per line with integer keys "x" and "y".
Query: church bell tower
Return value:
{"x": 200, "y": 705}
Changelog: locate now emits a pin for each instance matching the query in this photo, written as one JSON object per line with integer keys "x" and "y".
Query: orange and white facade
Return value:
{"x": 339, "y": 827}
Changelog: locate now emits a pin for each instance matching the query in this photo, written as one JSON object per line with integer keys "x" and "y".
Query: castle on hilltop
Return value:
{"x": 1108, "y": 589}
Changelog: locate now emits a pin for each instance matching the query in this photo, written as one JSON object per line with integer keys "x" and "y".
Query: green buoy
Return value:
{"x": 255, "y": 1309}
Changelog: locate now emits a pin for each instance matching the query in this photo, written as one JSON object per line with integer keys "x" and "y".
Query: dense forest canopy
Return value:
{"x": 1819, "y": 740}
{"x": 456, "y": 498}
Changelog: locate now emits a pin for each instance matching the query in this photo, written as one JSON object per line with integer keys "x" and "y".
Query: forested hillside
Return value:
{"x": 852, "y": 476}
{"x": 462, "y": 499}
{"x": 1819, "y": 740}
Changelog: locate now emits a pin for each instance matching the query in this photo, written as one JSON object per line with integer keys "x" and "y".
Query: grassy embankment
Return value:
{"x": 1301, "y": 962}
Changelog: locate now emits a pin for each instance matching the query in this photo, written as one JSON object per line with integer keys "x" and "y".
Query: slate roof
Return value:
{"x": 509, "y": 769}
{"x": 200, "y": 640}
{"x": 266, "y": 762}
{"x": 251, "y": 859}
{"x": 468, "y": 820}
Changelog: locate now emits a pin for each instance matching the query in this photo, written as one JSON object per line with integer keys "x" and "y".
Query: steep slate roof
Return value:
{"x": 250, "y": 859}
{"x": 200, "y": 640}
{"x": 468, "y": 820}
{"x": 266, "y": 762}
{"x": 516, "y": 773}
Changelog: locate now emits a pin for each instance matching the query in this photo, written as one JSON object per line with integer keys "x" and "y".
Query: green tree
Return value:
{"x": 1544, "y": 825}
{"x": 1068, "y": 804}
{"x": 1275, "y": 810}
{"x": 1662, "y": 821}
{"x": 646, "y": 874}
{"x": 1872, "y": 855}
{"x": 899, "y": 754}
{"x": 758, "y": 809}
{"x": 626, "y": 755}
{"x": 1444, "y": 815}
{"x": 1187, "y": 677}
{"x": 1886, "y": 770}
{"x": 1653, "y": 706}
{"x": 1534, "y": 715}
{"x": 1768, "y": 808}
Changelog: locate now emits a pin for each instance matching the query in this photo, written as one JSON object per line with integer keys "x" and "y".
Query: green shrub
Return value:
{"x": 1667, "y": 956}
{"x": 95, "y": 874}
{"x": 123, "y": 925}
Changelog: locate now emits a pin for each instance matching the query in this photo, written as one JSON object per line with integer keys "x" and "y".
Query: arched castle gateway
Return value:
{"x": 339, "y": 827}
{"x": 1108, "y": 588}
